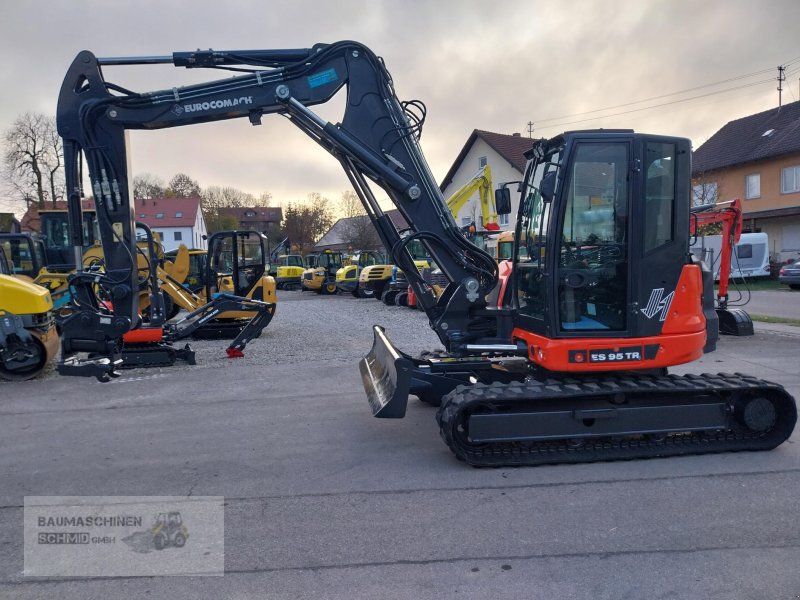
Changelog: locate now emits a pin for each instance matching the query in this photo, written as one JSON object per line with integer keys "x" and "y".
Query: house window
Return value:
{"x": 159, "y": 215}
{"x": 790, "y": 180}
{"x": 502, "y": 219}
{"x": 177, "y": 236}
{"x": 178, "y": 215}
{"x": 142, "y": 215}
{"x": 704, "y": 193}
{"x": 752, "y": 186}
{"x": 482, "y": 162}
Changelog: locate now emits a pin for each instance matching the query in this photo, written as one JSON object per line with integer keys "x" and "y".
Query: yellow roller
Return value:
{"x": 28, "y": 338}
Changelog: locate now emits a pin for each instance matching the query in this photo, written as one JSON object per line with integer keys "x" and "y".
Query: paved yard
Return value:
{"x": 324, "y": 501}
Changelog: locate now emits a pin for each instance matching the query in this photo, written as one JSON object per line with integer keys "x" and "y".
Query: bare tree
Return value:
{"x": 214, "y": 198}
{"x": 304, "y": 223}
{"x": 705, "y": 190}
{"x": 183, "y": 186}
{"x": 147, "y": 187}
{"x": 33, "y": 159}
{"x": 263, "y": 199}
{"x": 357, "y": 229}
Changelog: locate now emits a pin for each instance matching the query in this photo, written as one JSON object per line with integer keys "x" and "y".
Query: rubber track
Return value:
{"x": 519, "y": 395}
{"x": 169, "y": 358}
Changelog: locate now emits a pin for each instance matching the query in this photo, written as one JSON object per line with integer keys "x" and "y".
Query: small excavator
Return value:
{"x": 604, "y": 294}
{"x": 732, "y": 320}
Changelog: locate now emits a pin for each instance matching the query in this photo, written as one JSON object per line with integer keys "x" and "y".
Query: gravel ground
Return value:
{"x": 309, "y": 327}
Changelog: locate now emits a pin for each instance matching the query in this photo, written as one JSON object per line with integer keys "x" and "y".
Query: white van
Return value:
{"x": 751, "y": 258}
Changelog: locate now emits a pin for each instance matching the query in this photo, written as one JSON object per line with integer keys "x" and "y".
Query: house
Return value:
{"x": 757, "y": 159}
{"x": 177, "y": 220}
{"x": 357, "y": 233}
{"x": 258, "y": 218}
{"x": 505, "y": 154}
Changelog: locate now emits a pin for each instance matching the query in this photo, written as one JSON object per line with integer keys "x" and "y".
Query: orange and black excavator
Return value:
{"x": 604, "y": 293}
{"x": 732, "y": 321}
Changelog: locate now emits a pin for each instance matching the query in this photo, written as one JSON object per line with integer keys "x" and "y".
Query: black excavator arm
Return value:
{"x": 377, "y": 141}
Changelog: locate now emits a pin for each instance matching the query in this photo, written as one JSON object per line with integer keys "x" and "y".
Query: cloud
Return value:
{"x": 475, "y": 65}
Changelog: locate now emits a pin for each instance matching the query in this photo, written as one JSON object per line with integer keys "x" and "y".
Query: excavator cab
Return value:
{"x": 237, "y": 264}
{"x": 25, "y": 252}
{"x": 601, "y": 250}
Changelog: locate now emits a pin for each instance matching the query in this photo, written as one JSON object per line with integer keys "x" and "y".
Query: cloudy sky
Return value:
{"x": 485, "y": 65}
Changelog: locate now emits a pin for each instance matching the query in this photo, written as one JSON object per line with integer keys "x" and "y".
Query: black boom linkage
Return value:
{"x": 377, "y": 140}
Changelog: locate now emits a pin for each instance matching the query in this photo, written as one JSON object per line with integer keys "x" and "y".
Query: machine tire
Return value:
{"x": 401, "y": 299}
{"x": 388, "y": 297}
{"x": 355, "y": 292}
{"x": 30, "y": 372}
{"x": 329, "y": 289}
{"x": 179, "y": 541}
{"x": 377, "y": 291}
{"x": 362, "y": 292}
{"x": 159, "y": 542}
{"x": 794, "y": 286}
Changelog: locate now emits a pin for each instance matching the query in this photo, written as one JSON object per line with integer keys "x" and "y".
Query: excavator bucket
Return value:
{"x": 734, "y": 321}
{"x": 386, "y": 374}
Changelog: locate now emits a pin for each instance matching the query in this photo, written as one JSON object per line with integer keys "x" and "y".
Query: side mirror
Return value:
{"x": 502, "y": 201}
{"x": 547, "y": 188}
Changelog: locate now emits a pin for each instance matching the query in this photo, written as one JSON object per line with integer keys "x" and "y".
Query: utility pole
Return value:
{"x": 781, "y": 79}
{"x": 530, "y": 129}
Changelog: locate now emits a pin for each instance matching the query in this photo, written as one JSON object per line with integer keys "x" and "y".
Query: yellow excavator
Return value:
{"x": 28, "y": 337}
{"x": 235, "y": 264}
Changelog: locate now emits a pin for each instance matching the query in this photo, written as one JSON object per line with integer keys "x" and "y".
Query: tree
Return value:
{"x": 264, "y": 199}
{"x": 183, "y": 186}
{"x": 147, "y": 187}
{"x": 357, "y": 228}
{"x": 304, "y": 223}
{"x": 214, "y": 197}
{"x": 32, "y": 161}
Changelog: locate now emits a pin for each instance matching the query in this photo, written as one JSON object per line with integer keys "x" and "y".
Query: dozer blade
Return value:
{"x": 386, "y": 373}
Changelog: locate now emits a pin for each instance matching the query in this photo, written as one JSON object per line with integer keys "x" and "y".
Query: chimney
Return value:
{"x": 516, "y": 135}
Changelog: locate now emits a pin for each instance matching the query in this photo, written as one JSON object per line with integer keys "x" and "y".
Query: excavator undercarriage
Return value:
{"x": 502, "y": 411}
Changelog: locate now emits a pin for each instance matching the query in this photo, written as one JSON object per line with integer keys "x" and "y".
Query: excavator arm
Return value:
{"x": 482, "y": 183}
{"x": 376, "y": 141}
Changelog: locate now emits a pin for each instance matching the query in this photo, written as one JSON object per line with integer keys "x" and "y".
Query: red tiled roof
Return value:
{"x": 30, "y": 220}
{"x": 147, "y": 212}
{"x": 510, "y": 147}
{"x": 770, "y": 133}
